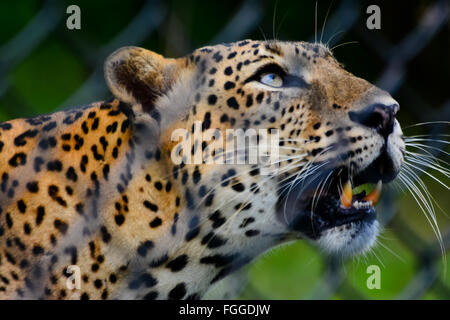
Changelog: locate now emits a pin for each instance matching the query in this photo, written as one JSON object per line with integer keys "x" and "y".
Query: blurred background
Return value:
{"x": 46, "y": 67}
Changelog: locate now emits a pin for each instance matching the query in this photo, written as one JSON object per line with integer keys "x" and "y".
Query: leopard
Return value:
{"x": 105, "y": 191}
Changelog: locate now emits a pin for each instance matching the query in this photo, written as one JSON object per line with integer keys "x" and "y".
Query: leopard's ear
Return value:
{"x": 138, "y": 76}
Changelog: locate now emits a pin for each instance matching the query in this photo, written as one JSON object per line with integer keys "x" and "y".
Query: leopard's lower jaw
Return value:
{"x": 346, "y": 232}
{"x": 348, "y": 240}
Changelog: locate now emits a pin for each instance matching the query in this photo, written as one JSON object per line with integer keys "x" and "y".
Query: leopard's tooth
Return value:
{"x": 375, "y": 194}
{"x": 347, "y": 195}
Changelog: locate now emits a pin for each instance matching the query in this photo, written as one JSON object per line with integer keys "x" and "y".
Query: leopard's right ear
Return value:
{"x": 139, "y": 76}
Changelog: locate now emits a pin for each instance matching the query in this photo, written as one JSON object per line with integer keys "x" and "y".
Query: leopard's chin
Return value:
{"x": 355, "y": 238}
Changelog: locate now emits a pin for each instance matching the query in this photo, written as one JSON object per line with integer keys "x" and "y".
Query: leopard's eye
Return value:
{"x": 272, "y": 79}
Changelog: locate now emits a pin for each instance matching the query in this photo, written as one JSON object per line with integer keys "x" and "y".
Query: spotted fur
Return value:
{"x": 96, "y": 187}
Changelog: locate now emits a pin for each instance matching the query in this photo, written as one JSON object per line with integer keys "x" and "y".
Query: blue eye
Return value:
{"x": 272, "y": 79}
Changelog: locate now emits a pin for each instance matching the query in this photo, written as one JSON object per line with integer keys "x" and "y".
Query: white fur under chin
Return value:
{"x": 339, "y": 241}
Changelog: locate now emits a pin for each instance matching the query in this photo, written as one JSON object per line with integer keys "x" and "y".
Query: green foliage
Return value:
{"x": 48, "y": 87}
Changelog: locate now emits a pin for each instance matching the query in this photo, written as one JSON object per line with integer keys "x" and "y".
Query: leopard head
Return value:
{"x": 333, "y": 130}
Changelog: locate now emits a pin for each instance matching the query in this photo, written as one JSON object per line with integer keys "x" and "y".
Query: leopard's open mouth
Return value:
{"x": 338, "y": 206}
{"x": 342, "y": 202}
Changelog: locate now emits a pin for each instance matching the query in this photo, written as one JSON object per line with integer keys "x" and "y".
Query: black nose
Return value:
{"x": 378, "y": 116}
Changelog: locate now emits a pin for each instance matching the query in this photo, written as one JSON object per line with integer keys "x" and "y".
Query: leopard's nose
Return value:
{"x": 378, "y": 116}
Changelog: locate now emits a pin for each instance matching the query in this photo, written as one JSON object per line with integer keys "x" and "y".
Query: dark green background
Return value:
{"x": 45, "y": 77}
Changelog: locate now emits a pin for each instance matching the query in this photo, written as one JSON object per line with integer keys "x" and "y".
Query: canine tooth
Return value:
{"x": 346, "y": 197}
{"x": 375, "y": 194}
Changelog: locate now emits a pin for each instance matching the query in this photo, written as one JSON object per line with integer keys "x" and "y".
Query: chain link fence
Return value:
{"x": 156, "y": 24}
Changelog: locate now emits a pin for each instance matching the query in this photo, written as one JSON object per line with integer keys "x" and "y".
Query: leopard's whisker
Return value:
{"x": 324, "y": 183}
{"x": 313, "y": 206}
{"x": 303, "y": 166}
{"x": 436, "y": 167}
{"x": 325, "y": 22}
{"x": 426, "y": 123}
{"x": 409, "y": 168}
{"x": 332, "y": 37}
{"x": 421, "y": 187}
{"x": 343, "y": 44}
{"x": 399, "y": 187}
{"x": 378, "y": 241}
{"x": 372, "y": 251}
{"x": 302, "y": 179}
{"x": 432, "y": 213}
{"x": 301, "y": 171}
{"x": 421, "y": 146}
{"x": 287, "y": 178}
{"x": 427, "y": 135}
{"x": 426, "y": 140}
{"x": 422, "y": 203}
{"x": 428, "y": 158}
